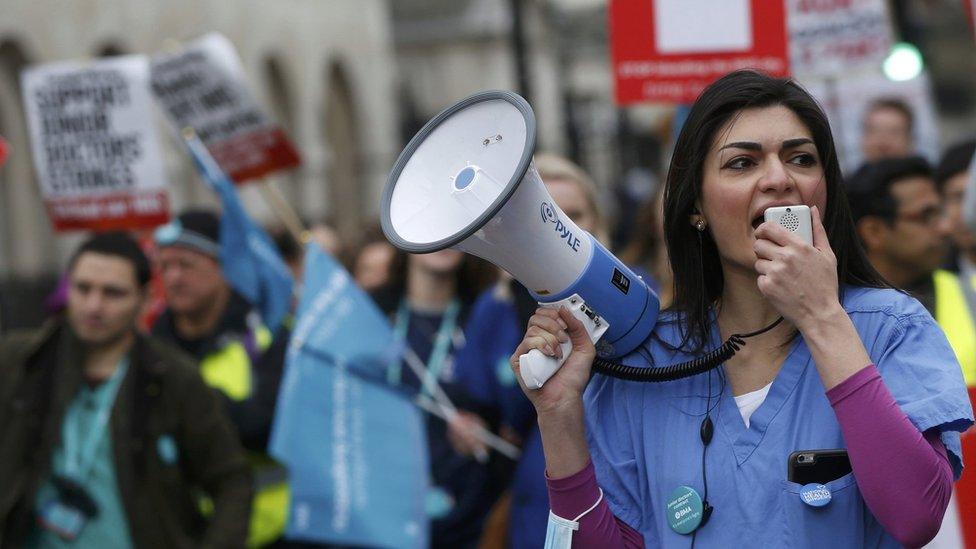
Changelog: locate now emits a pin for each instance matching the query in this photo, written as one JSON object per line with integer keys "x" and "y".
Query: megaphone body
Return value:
{"x": 466, "y": 181}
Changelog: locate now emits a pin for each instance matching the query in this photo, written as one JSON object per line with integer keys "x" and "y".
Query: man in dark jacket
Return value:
{"x": 109, "y": 438}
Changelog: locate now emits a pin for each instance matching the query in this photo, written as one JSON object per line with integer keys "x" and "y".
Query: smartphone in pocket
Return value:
{"x": 817, "y": 466}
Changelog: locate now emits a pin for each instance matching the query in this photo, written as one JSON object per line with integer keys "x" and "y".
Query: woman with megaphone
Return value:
{"x": 837, "y": 427}
{"x": 495, "y": 326}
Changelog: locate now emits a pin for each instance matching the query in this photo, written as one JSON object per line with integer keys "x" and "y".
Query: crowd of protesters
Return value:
{"x": 114, "y": 436}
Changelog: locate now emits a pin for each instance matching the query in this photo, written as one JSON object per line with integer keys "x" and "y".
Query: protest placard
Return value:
{"x": 832, "y": 37}
{"x": 970, "y": 7}
{"x": 670, "y": 50}
{"x": 846, "y": 101}
{"x": 203, "y": 86}
{"x": 95, "y": 148}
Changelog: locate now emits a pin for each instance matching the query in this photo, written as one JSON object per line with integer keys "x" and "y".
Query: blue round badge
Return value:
{"x": 504, "y": 373}
{"x": 684, "y": 510}
{"x": 439, "y": 503}
{"x": 166, "y": 447}
{"x": 815, "y": 495}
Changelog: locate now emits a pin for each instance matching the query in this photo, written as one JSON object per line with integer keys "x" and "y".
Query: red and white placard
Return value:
{"x": 833, "y": 37}
{"x": 964, "y": 496}
{"x": 970, "y": 7}
{"x": 203, "y": 86}
{"x": 95, "y": 149}
{"x": 669, "y": 50}
{"x": 958, "y": 527}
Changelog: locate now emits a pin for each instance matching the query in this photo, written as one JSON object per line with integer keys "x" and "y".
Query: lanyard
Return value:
{"x": 79, "y": 457}
{"x": 441, "y": 347}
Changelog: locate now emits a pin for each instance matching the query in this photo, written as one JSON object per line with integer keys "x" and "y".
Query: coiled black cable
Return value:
{"x": 699, "y": 365}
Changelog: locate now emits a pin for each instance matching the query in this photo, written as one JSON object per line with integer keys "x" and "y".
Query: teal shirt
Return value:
{"x": 81, "y": 422}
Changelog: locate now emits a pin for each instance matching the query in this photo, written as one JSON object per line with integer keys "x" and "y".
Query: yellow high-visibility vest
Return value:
{"x": 229, "y": 371}
{"x": 956, "y": 320}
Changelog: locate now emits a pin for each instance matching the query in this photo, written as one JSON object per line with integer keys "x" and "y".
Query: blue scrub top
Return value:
{"x": 111, "y": 527}
{"x": 644, "y": 437}
{"x": 492, "y": 333}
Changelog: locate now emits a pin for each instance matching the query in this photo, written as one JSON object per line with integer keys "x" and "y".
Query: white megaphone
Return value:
{"x": 467, "y": 181}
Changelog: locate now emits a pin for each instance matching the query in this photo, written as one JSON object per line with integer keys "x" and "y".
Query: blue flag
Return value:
{"x": 355, "y": 448}
{"x": 249, "y": 259}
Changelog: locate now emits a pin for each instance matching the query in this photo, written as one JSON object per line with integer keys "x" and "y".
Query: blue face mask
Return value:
{"x": 559, "y": 531}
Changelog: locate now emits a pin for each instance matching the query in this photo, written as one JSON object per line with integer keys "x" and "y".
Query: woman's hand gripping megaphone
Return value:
{"x": 560, "y": 332}
{"x": 555, "y": 336}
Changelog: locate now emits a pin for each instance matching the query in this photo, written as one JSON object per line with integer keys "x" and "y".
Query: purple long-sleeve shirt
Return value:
{"x": 882, "y": 444}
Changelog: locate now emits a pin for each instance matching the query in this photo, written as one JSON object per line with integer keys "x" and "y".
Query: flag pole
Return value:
{"x": 490, "y": 439}
{"x": 284, "y": 211}
{"x": 442, "y": 407}
{"x": 274, "y": 199}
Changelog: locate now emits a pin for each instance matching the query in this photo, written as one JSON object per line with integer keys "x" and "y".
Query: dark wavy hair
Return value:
{"x": 698, "y": 278}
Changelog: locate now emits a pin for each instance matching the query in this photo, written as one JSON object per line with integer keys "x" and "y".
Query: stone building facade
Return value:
{"x": 325, "y": 70}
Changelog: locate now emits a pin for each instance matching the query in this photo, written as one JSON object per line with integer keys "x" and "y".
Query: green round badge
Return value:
{"x": 684, "y": 510}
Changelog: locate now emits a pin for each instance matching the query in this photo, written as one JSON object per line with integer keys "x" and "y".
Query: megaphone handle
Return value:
{"x": 535, "y": 367}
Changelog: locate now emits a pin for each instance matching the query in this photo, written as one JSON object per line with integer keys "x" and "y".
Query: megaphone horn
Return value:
{"x": 467, "y": 181}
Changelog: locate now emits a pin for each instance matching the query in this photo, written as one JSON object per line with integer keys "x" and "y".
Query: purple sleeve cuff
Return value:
{"x": 847, "y": 387}
{"x": 570, "y": 496}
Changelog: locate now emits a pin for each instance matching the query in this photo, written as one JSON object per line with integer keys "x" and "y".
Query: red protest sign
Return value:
{"x": 669, "y": 50}
{"x": 108, "y": 212}
{"x": 203, "y": 86}
{"x": 255, "y": 153}
{"x": 965, "y": 489}
{"x": 970, "y": 7}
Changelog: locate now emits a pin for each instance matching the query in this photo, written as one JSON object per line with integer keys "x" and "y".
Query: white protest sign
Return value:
{"x": 847, "y": 100}
{"x": 830, "y": 37}
{"x": 693, "y": 26}
{"x": 95, "y": 147}
{"x": 203, "y": 86}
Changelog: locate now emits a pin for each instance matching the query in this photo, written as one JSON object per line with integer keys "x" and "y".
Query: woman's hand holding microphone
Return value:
{"x": 800, "y": 281}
